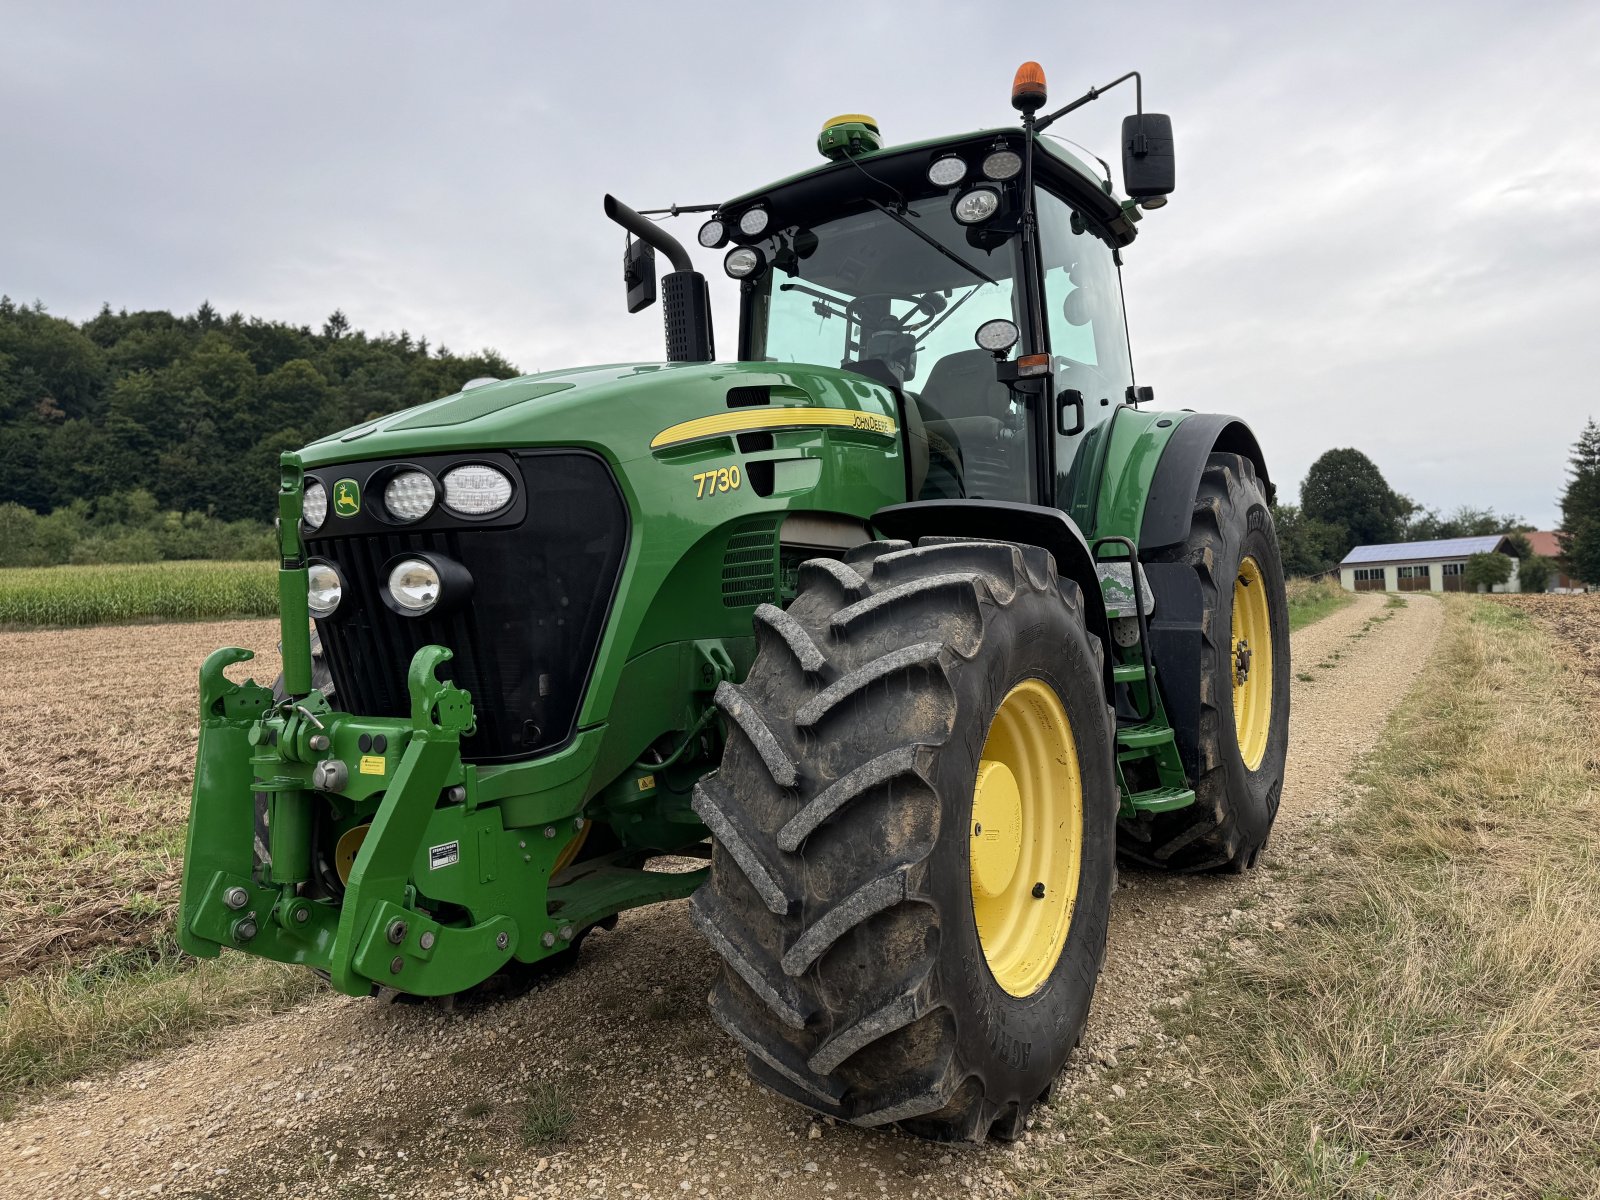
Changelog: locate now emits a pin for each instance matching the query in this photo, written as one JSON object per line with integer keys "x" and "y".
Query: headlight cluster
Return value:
{"x": 415, "y": 586}
{"x": 418, "y": 583}
{"x": 981, "y": 200}
{"x": 470, "y": 490}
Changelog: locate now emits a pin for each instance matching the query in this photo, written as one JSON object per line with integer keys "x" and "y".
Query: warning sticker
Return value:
{"x": 447, "y": 855}
{"x": 647, "y": 783}
{"x": 372, "y": 764}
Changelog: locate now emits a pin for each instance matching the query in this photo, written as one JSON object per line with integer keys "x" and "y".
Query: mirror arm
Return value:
{"x": 649, "y": 232}
{"x": 1095, "y": 93}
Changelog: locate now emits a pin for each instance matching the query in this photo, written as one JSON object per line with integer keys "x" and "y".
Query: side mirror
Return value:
{"x": 639, "y": 273}
{"x": 1147, "y": 165}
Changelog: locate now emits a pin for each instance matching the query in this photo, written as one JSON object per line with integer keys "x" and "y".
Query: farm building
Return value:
{"x": 1437, "y": 566}
{"x": 1547, "y": 544}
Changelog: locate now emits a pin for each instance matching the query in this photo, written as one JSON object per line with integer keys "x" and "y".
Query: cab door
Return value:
{"x": 1082, "y": 293}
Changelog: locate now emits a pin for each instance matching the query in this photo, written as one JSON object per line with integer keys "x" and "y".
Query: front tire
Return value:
{"x": 881, "y": 964}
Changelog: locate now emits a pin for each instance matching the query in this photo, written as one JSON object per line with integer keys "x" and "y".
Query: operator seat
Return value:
{"x": 965, "y": 405}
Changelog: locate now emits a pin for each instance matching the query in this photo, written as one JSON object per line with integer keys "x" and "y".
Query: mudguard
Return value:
{"x": 1006, "y": 521}
{"x": 1168, "y": 514}
{"x": 1170, "y": 505}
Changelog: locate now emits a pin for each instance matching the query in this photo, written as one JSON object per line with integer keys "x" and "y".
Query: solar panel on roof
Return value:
{"x": 1438, "y": 548}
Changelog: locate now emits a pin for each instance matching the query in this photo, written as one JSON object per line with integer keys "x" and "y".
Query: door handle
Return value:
{"x": 1069, "y": 398}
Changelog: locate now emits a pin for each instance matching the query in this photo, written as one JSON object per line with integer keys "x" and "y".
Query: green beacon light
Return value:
{"x": 848, "y": 135}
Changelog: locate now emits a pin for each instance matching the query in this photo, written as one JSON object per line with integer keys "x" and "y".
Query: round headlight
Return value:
{"x": 1002, "y": 164}
{"x": 997, "y": 336}
{"x": 476, "y": 490}
{"x": 743, "y": 261}
{"x": 314, "y": 505}
{"x": 979, "y": 204}
{"x": 752, "y": 221}
{"x": 414, "y": 586}
{"x": 947, "y": 171}
{"x": 713, "y": 234}
{"x": 408, "y": 496}
{"x": 325, "y": 588}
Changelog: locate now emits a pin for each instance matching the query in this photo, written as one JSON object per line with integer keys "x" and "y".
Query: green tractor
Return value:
{"x": 881, "y": 643}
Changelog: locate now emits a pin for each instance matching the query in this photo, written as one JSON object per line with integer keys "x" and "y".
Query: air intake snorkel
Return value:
{"x": 686, "y": 302}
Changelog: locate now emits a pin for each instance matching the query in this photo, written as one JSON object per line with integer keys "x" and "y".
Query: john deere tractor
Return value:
{"x": 880, "y": 642}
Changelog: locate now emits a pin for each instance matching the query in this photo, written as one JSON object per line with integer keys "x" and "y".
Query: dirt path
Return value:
{"x": 355, "y": 1099}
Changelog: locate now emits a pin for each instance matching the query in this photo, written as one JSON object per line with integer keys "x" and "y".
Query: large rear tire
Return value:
{"x": 1244, "y": 683}
{"x": 885, "y": 960}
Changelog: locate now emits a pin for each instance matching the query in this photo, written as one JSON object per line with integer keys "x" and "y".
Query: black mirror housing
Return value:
{"x": 1147, "y": 163}
{"x": 639, "y": 273}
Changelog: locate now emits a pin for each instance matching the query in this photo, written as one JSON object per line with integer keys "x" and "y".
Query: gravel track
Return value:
{"x": 352, "y": 1098}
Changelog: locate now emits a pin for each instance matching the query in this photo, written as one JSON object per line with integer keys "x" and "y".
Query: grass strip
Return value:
{"x": 1312, "y": 599}
{"x": 121, "y": 592}
{"x": 63, "y": 1022}
{"x": 1429, "y": 1024}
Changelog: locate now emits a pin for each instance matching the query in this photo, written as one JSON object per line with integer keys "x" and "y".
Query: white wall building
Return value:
{"x": 1435, "y": 566}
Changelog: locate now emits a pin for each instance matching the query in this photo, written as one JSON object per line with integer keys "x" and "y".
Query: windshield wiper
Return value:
{"x": 932, "y": 241}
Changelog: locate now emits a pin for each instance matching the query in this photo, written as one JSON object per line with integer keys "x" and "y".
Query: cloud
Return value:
{"x": 1385, "y": 232}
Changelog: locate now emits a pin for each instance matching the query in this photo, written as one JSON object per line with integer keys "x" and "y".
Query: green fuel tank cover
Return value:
{"x": 849, "y": 135}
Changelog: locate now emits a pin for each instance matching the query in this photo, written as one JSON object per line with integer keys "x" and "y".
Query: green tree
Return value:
{"x": 1483, "y": 571}
{"x": 1465, "y": 521}
{"x": 1345, "y": 489}
{"x": 1534, "y": 573}
{"x": 1309, "y": 547}
{"x": 1580, "y": 508}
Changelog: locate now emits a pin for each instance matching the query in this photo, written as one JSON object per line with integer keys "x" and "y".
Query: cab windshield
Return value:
{"x": 896, "y": 295}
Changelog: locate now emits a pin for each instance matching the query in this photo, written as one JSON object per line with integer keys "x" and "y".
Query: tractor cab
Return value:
{"x": 976, "y": 276}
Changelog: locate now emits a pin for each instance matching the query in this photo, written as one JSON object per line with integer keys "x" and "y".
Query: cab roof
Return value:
{"x": 1053, "y": 163}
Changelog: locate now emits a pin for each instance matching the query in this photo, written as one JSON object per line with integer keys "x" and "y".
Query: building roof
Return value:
{"x": 1545, "y": 543}
{"x": 1417, "y": 551}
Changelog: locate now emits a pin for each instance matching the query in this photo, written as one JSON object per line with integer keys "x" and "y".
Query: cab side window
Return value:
{"x": 1088, "y": 343}
{"x": 1083, "y": 305}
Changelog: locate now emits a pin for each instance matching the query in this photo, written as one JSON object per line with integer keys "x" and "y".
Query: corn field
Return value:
{"x": 95, "y": 595}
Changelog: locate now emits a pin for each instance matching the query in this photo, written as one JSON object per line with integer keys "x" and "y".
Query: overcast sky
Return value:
{"x": 1386, "y": 232}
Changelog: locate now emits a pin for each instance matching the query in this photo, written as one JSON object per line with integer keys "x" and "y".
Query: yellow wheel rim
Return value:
{"x": 1251, "y": 663}
{"x": 345, "y": 851}
{"x": 1026, "y": 839}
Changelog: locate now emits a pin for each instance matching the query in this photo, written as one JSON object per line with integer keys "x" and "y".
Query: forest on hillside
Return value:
{"x": 167, "y": 419}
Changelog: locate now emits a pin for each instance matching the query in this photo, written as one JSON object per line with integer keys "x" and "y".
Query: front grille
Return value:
{"x": 525, "y": 641}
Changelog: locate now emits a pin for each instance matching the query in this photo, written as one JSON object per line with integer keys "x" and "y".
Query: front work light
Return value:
{"x": 314, "y": 505}
{"x": 713, "y": 234}
{"x": 1002, "y": 164}
{"x": 414, "y": 587}
{"x": 744, "y": 261}
{"x": 476, "y": 490}
{"x": 409, "y": 496}
{"x": 752, "y": 221}
{"x": 325, "y": 588}
{"x": 977, "y": 204}
{"x": 997, "y": 336}
{"x": 947, "y": 171}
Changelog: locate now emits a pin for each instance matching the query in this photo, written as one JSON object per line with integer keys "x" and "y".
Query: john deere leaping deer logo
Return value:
{"x": 347, "y": 497}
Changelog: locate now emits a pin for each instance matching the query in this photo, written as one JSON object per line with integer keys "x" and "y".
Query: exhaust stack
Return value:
{"x": 686, "y": 301}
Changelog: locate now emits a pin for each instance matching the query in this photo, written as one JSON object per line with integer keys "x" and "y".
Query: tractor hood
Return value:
{"x": 623, "y": 411}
